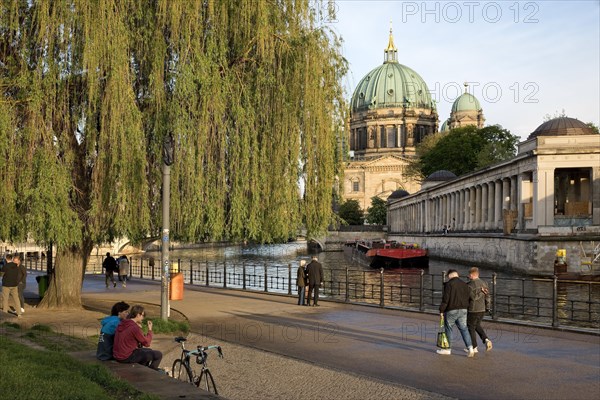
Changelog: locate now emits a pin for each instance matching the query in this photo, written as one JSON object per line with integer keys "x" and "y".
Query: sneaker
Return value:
{"x": 474, "y": 350}
{"x": 444, "y": 352}
{"x": 471, "y": 352}
{"x": 488, "y": 344}
{"x": 114, "y": 284}
{"x": 22, "y": 310}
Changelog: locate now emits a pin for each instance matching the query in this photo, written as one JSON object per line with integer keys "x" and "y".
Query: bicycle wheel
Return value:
{"x": 181, "y": 371}
{"x": 207, "y": 382}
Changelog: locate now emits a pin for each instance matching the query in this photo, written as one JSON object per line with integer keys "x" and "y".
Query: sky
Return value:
{"x": 523, "y": 60}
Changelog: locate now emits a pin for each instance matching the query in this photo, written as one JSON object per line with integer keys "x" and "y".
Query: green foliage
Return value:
{"x": 466, "y": 149}
{"x": 593, "y": 126}
{"x": 377, "y": 213}
{"x": 251, "y": 93}
{"x": 169, "y": 326}
{"x": 351, "y": 212}
{"x": 29, "y": 373}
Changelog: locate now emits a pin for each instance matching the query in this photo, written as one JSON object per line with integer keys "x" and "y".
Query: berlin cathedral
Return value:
{"x": 391, "y": 112}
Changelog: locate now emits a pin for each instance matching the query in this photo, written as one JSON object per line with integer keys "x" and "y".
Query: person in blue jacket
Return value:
{"x": 107, "y": 332}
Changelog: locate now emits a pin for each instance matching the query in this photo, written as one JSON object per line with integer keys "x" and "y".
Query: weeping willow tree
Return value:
{"x": 249, "y": 89}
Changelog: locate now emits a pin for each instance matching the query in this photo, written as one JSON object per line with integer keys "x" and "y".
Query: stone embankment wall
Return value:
{"x": 526, "y": 255}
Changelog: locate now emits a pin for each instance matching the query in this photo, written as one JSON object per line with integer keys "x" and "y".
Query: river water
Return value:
{"x": 516, "y": 296}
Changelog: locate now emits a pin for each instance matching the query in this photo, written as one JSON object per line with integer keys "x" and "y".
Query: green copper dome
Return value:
{"x": 466, "y": 102}
{"x": 445, "y": 126}
{"x": 391, "y": 85}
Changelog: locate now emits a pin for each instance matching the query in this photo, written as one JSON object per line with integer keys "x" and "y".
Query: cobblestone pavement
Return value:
{"x": 246, "y": 373}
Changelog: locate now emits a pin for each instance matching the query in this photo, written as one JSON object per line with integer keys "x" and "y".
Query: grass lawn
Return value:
{"x": 27, "y": 373}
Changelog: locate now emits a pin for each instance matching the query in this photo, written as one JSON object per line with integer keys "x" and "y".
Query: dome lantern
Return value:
{"x": 391, "y": 52}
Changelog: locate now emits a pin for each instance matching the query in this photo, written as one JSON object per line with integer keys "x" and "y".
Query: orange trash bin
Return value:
{"x": 176, "y": 287}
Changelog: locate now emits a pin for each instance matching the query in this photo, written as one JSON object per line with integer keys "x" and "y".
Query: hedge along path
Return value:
{"x": 251, "y": 92}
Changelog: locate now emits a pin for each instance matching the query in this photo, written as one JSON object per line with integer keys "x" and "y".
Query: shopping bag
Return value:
{"x": 442, "y": 338}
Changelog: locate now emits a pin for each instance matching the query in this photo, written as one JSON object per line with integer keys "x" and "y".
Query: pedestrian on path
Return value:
{"x": 315, "y": 280}
{"x": 106, "y": 340}
{"x": 131, "y": 345}
{"x": 455, "y": 302}
{"x": 301, "y": 280}
{"x": 123, "y": 270}
{"x": 110, "y": 266}
{"x": 10, "y": 285}
{"x": 23, "y": 282}
{"x": 479, "y": 304}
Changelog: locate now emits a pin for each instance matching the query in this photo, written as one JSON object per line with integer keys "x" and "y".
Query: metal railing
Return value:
{"x": 543, "y": 300}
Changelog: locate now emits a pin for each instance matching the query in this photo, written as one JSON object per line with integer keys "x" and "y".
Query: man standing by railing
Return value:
{"x": 479, "y": 303}
{"x": 315, "y": 280}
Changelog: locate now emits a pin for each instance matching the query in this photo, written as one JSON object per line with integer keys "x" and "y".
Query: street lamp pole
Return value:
{"x": 168, "y": 147}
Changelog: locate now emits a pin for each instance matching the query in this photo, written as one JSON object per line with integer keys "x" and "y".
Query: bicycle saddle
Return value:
{"x": 180, "y": 339}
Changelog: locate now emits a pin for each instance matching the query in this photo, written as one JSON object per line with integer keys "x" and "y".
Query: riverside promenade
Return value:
{"x": 385, "y": 346}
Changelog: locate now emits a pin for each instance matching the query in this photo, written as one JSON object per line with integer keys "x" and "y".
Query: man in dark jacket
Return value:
{"x": 22, "y": 282}
{"x": 110, "y": 266}
{"x": 10, "y": 282}
{"x": 455, "y": 302}
{"x": 315, "y": 280}
{"x": 301, "y": 282}
{"x": 479, "y": 303}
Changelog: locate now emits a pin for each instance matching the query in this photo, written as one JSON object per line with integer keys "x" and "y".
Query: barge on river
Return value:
{"x": 382, "y": 254}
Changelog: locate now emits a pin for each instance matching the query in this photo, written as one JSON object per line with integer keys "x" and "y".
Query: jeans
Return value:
{"x": 145, "y": 356}
{"x": 11, "y": 292}
{"x": 458, "y": 317}
{"x": 301, "y": 295}
{"x": 474, "y": 325}
{"x": 314, "y": 288}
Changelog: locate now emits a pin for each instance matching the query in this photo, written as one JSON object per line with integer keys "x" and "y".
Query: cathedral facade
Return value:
{"x": 391, "y": 112}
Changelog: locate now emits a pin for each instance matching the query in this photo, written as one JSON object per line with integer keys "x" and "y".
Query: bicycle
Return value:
{"x": 183, "y": 371}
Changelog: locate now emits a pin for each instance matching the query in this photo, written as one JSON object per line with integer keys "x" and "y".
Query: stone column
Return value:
{"x": 595, "y": 196}
{"x": 477, "y": 207}
{"x": 484, "y": 206}
{"x": 467, "y": 210}
{"x": 498, "y": 205}
{"x": 491, "y": 209}
{"x": 472, "y": 201}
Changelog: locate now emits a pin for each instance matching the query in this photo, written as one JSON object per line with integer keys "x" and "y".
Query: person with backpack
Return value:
{"x": 479, "y": 304}
{"x": 110, "y": 266}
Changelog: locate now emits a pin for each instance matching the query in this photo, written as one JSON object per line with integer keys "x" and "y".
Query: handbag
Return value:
{"x": 442, "y": 338}
{"x": 104, "y": 351}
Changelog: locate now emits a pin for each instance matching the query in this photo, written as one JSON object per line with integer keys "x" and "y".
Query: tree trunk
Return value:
{"x": 64, "y": 290}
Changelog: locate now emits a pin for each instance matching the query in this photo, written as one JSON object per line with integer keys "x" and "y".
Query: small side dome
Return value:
{"x": 398, "y": 194}
{"x": 440, "y": 176}
{"x": 562, "y": 126}
{"x": 445, "y": 126}
{"x": 466, "y": 102}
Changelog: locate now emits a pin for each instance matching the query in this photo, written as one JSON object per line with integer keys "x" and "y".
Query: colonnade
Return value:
{"x": 469, "y": 208}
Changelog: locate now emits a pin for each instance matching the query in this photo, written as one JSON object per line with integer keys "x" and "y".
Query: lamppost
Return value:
{"x": 168, "y": 158}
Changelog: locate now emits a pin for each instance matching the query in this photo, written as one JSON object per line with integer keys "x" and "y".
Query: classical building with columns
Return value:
{"x": 546, "y": 197}
{"x": 391, "y": 112}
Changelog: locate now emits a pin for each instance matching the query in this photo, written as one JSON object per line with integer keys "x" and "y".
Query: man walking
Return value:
{"x": 479, "y": 303}
{"x": 455, "y": 302}
{"x": 109, "y": 265}
{"x": 315, "y": 280}
{"x": 10, "y": 283}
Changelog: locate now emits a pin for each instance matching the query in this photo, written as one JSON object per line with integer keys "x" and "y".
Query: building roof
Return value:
{"x": 562, "y": 126}
{"x": 466, "y": 102}
{"x": 391, "y": 85}
{"x": 445, "y": 126}
{"x": 398, "y": 194}
{"x": 441, "y": 175}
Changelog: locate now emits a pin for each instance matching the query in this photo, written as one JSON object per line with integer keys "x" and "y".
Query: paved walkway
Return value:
{"x": 387, "y": 346}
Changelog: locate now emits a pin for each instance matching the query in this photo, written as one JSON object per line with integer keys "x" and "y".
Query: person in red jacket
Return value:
{"x": 131, "y": 345}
